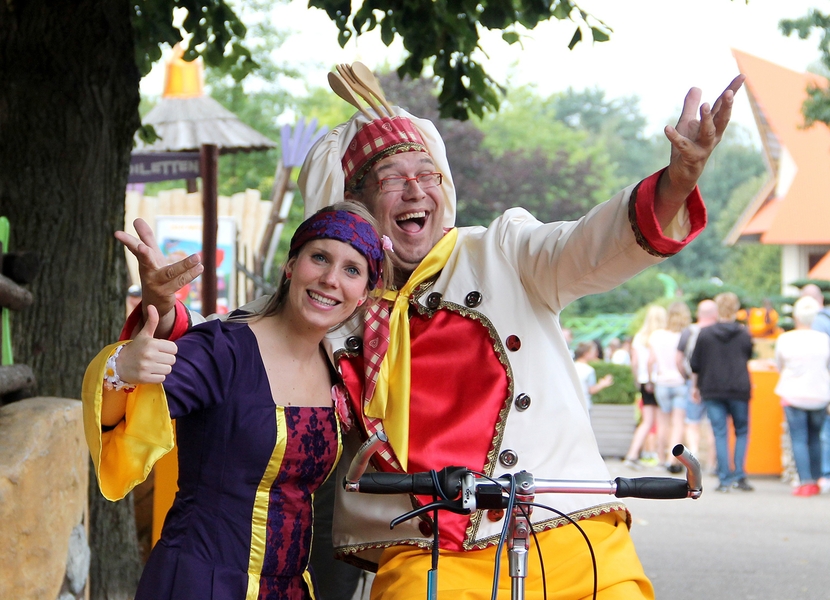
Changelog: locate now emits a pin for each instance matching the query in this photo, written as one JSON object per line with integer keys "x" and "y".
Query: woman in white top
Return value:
{"x": 803, "y": 358}
{"x": 655, "y": 319}
{"x": 670, "y": 386}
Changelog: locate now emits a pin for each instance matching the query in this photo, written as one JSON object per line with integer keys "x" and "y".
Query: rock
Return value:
{"x": 43, "y": 494}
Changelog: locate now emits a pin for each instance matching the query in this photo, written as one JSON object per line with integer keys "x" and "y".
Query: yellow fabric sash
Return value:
{"x": 390, "y": 402}
{"x": 125, "y": 456}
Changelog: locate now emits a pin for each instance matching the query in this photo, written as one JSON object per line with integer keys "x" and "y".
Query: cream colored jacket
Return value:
{"x": 526, "y": 272}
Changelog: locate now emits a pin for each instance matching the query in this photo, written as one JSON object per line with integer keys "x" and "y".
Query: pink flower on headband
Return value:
{"x": 387, "y": 243}
{"x": 341, "y": 406}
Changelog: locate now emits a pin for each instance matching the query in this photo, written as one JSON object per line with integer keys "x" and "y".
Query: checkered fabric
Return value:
{"x": 375, "y": 344}
{"x": 376, "y": 140}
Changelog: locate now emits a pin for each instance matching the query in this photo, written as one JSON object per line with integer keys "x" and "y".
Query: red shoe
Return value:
{"x": 808, "y": 489}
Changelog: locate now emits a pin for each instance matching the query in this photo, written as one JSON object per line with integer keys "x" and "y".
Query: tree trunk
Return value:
{"x": 68, "y": 110}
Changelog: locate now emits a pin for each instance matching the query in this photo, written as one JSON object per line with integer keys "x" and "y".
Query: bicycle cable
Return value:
{"x": 432, "y": 576}
{"x": 511, "y": 500}
{"x": 438, "y": 488}
{"x": 584, "y": 535}
{"x": 526, "y": 514}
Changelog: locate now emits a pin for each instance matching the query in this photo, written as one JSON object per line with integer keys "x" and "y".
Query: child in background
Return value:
{"x": 585, "y": 353}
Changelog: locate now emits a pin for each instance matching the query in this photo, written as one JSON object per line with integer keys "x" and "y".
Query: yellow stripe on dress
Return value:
{"x": 259, "y": 522}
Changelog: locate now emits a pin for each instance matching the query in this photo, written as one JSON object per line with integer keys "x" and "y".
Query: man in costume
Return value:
{"x": 466, "y": 363}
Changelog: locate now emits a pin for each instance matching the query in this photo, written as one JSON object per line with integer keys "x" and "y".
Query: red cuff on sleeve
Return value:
{"x": 182, "y": 322}
{"x": 647, "y": 223}
{"x": 180, "y": 325}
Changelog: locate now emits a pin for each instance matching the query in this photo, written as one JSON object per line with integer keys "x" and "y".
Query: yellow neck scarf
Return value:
{"x": 390, "y": 402}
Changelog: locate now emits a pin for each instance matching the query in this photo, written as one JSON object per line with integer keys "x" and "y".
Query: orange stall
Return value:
{"x": 766, "y": 418}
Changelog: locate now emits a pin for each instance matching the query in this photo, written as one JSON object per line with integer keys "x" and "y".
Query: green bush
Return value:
{"x": 623, "y": 391}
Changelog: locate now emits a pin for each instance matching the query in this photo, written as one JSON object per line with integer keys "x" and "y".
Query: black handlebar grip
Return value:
{"x": 396, "y": 483}
{"x": 448, "y": 478}
{"x": 658, "y": 488}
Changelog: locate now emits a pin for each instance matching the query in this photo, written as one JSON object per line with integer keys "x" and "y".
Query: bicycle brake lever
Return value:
{"x": 450, "y": 505}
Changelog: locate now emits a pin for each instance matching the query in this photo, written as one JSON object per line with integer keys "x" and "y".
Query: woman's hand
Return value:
{"x": 147, "y": 359}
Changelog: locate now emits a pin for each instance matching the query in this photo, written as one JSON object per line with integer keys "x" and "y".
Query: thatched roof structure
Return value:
{"x": 186, "y": 118}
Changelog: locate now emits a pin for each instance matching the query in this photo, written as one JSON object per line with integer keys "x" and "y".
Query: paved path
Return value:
{"x": 761, "y": 545}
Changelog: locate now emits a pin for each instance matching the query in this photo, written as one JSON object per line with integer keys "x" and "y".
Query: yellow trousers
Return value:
{"x": 402, "y": 572}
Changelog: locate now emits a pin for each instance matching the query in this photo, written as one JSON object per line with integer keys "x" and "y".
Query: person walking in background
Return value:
{"x": 696, "y": 425}
{"x": 821, "y": 323}
{"x": 583, "y": 355}
{"x": 719, "y": 363}
{"x": 670, "y": 387}
{"x": 803, "y": 357}
{"x": 622, "y": 355}
{"x": 612, "y": 346}
{"x": 656, "y": 318}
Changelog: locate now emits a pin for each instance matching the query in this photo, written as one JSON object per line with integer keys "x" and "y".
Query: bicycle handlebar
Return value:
{"x": 452, "y": 482}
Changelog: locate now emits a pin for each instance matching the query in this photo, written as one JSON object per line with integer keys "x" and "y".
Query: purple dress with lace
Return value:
{"x": 240, "y": 526}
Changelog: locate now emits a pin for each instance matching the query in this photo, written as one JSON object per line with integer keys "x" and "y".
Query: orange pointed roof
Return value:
{"x": 183, "y": 79}
{"x": 761, "y": 221}
{"x": 792, "y": 208}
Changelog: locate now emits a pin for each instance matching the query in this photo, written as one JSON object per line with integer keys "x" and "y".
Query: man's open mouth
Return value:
{"x": 412, "y": 222}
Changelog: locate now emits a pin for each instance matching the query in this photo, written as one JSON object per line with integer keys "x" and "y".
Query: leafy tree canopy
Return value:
{"x": 446, "y": 34}
{"x": 216, "y": 33}
{"x": 817, "y": 105}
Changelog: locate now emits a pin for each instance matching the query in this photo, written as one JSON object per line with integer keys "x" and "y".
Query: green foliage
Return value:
{"x": 752, "y": 267}
{"x": 701, "y": 289}
{"x": 626, "y": 298}
{"x": 615, "y": 124}
{"x": 215, "y": 34}
{"x": 601, "y": 327}
{"x": 445, "y": 35}
{"x": 755, "y": 269}
{"x": 734, "y": 162}
{"x": 816, "y": 107}
{"x": 326, "y": 107}
{"x": 622, "y": 391}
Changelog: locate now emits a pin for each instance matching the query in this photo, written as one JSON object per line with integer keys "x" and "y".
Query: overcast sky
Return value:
{"x": 658, "y": 49}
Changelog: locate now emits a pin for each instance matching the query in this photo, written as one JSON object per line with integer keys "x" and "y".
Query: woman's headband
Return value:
{"x": 345, "y": 227}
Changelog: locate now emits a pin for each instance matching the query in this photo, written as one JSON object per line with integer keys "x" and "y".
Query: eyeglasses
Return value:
{"x": 398, "y": 184}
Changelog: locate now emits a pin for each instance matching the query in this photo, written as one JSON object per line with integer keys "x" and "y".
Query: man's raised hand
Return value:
{"x": 693, "y": 139}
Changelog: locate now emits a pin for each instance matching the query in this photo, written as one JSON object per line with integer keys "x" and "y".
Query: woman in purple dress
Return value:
{"x": 258, "y": 410}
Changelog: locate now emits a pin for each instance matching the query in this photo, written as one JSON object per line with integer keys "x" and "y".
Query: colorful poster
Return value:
{"x": 179, "y": 237}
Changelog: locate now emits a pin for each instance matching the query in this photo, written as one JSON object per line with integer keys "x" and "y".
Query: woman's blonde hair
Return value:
{"x": 679, "y": 317}
{"x": 277, "y": 300}
{"x": 656, "y": 318}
